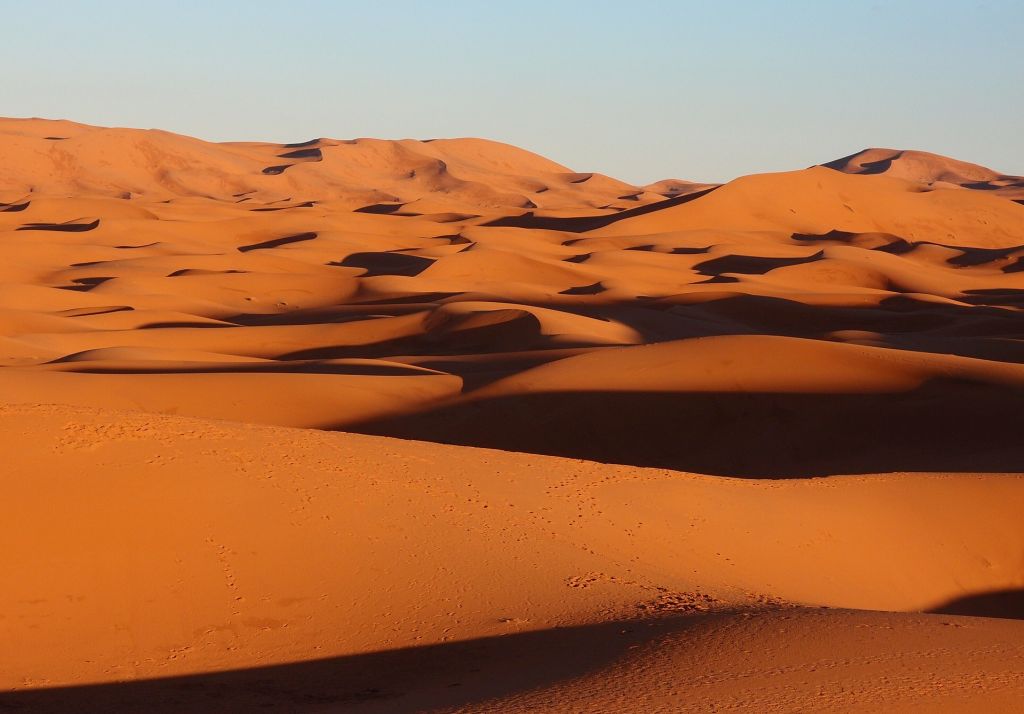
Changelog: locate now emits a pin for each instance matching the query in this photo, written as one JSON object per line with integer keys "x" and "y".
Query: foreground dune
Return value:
{"x": 153, "y": 548}
{"x": 613, "y": 407}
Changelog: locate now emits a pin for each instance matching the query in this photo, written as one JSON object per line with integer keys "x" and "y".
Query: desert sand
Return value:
{"x": 399, "y": 426}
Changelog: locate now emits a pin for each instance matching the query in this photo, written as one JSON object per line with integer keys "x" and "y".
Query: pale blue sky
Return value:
{"x": 640, "y": 90}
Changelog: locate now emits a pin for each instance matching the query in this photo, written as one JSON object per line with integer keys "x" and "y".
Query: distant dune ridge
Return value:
{"x": 930, "y": 169}
{"x": 65, "y": 158}
{"x": 615, "y": 407}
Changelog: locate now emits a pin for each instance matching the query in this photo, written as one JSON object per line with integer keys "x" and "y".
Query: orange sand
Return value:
{"x": 186, "y": 327}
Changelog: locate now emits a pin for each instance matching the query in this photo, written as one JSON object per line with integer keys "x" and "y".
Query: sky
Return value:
{"x": 640, "y": 90}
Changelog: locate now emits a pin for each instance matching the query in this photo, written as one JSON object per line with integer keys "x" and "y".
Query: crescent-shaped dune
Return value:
{"x": 388, "y": 426}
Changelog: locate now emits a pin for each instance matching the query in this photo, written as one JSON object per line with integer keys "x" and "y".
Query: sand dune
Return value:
{"x": 669, "y": 371}
{"x": 931, "y": 169}
{"x": 182, "y": 560}
{"x": 65, "y": 158}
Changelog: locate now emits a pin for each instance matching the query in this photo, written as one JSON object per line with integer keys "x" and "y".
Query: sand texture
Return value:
{"x": 444, "y": 426}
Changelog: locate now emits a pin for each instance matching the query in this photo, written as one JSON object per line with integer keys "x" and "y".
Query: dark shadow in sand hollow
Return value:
{"x": 180, "y": 324}
{"x": 277, "y": 242}
{"x": 291, "y": 367}
{"x": 581, "y": 258}
{"x": 307, "y": 204}
{"x": 943, "y": 426}
{"x": 749, "y": 264}
{"x": 1008, "y": 604}
{"x": 61, "y": 227}
{"x": 188, "y": 272}
{"x": 592, "y": 289}
{"x": 385, "y": 263}
{"x": 84, "y": 285}
{"x": 844, "y": 164}
{"x": 442, "y": 676}
{"x": 380, "y": 208}
{"x": 582, "y": 224}
{"x": 314, "y": 154}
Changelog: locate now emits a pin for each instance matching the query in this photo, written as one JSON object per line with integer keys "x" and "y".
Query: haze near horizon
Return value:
{"x": 705, "y": 92}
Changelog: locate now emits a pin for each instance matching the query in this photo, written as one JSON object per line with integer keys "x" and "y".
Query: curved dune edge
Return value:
{"x": 154, "y": 546}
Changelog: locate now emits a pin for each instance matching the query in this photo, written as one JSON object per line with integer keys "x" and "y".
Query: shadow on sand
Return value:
{"x": 445, "y": 675}
{"x": 944, "y": 426}
{"x": 582, "y": 224}
{"x": 1007, "y": 604}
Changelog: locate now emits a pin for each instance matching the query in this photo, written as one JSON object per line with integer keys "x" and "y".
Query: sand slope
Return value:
{"x": 153, "y": 547}
{"x": 668, "y": 370}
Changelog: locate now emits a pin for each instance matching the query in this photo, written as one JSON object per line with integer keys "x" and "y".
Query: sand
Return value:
{"x": 366, "y": 425}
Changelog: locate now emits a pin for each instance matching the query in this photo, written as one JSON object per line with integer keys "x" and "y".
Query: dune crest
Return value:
{"x": 931, "y": 169}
